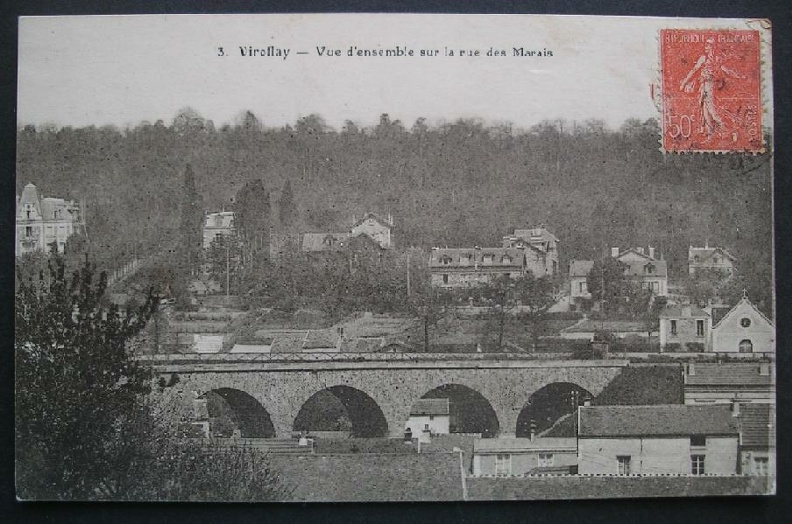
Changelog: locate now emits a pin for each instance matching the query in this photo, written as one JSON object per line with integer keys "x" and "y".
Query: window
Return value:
{"x": 699, "y": 328}
{"x": 426, "y": 427}
{"x": 650, "y": 269}
{"x": 583, "y": 287}
{"x": 28, "y": 214}
{"x": 673, "y": 327}
{"x": 503, "y": 464}
{"x": 28, "y": 231}
{"x": 623, "y": 464}
{"x": 488, "y": 259}
{"x": 698, "y": 441}
{"x": 445, "y": 260}
{"x": 761, "y": 465}
{"x": 697, "y": 464}
{"x": 746, "y": 346}
{"x": 445, "y": 279}
{"x": 745, "y": 322}
{"x": 545, "y": 460}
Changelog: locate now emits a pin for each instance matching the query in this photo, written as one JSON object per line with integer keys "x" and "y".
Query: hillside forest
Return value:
{"x": 457, "y": 183}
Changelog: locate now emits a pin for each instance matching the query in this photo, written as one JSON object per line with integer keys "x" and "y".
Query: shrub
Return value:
{"x": 696, "y": 347}
{"x": 673, "y": 346}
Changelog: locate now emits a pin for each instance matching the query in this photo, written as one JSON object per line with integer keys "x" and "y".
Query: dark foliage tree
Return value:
{"x": 85, "y": 427}
{"x": 75, "y": 382}
{"x": 287, "y": 208}
{"x": 191, "y": 223}
{"x": 252, "y": 221}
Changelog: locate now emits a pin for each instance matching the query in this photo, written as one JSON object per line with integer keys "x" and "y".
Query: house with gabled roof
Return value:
{"x": 467, "y": 267}
{"x": 43, "y": 222}
{"x": 375, "y": 227}
{"x": 744, "y": 329}
{"x": 429, "y": 415}
{"x": 640, "y": 266}
{"x": 540, "y": 238}
{"x": 710, "y": 258}
{"x": 657, "y": 440}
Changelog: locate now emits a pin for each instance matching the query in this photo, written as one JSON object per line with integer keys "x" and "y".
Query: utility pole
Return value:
{"x": 228, "y": 269}
{"x": 408, "y": 273}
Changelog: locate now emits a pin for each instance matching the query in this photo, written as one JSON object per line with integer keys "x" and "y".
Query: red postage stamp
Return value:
{"x": 711, "y": 87}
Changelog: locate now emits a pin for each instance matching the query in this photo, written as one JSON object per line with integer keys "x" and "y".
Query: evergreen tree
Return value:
{"x": 252, "y": 220}
{"x": 191, "y": 222}
{"x": 287, "y": 209}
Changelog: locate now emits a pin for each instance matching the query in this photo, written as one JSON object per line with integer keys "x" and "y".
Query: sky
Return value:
{"x": 121, "y": 70}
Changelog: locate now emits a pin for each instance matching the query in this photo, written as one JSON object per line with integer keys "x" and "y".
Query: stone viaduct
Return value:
{"x": 389, "y": 384}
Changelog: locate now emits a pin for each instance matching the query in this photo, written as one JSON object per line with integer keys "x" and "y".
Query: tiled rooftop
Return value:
{"x": 728, "y": 373}
{"x": 430, "y": 406}
{"x": 370, "y": 477}
{"x": 669, "y": 420}
{"x": 757, "y": 424}
{"x": 516, "y": 445}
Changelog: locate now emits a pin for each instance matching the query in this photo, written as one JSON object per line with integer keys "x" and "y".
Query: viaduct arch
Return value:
{"x": 283, "y": 388}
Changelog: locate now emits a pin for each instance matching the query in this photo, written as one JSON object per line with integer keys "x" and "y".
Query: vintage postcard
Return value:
{"x": 436, "y": 258}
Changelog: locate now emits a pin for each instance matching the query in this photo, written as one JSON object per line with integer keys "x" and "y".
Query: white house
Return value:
{"x": 658, "y": 439}
{"x": 524, "y": 456}
{"x": 429, "y": 415}
{"x": 744, "y": 329}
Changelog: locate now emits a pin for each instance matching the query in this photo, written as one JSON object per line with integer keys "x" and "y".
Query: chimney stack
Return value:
{"x": 691, "y": 369}
{"x": 614, "y": 252}
{"x": 651, "y": 252}
{"x": 735, "y": 408}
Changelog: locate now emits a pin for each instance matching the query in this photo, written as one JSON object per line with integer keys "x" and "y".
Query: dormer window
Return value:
{"x": 489, "y": 259}
{"x": 445, "y": 260}
{"x": 650, "y": 269}
{"x": 506, "y": 260}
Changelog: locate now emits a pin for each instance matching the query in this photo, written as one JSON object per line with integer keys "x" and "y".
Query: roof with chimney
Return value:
{"x": 517, "y": 445}
{"x": 502, "y": 257}
{"x": 323, "y": 242}
{"x": 729, "y": 374}
{"x": 659, "y": 421}
{"x": 683, "y": 312}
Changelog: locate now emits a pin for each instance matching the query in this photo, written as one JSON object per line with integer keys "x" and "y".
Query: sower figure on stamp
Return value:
{"x": 707, "y": 66}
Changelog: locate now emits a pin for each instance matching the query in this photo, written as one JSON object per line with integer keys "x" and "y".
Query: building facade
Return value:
{"x": 429, "y": 415}
{"x": 216, "y": 226}
{"x": 376, "y": 228}
{"x": 744, "y": 329}
{"x": 657, "y": 440}
{"x": 42, "y": 223}
{"x": 524, "y": 456}
{"x": 641, "y": 267}
{"x": 466, "y": 267}
{"x": 541, "y": 239}
{"x": 685, "y": 328}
